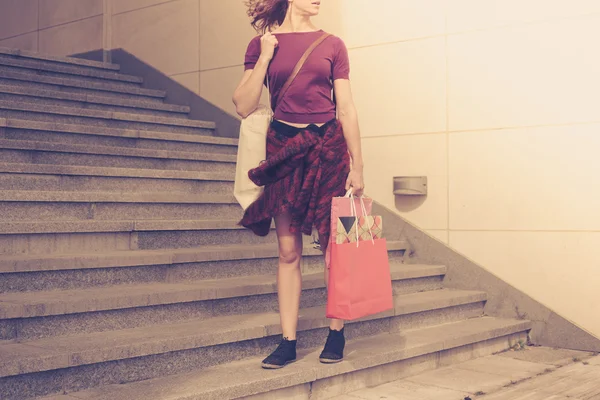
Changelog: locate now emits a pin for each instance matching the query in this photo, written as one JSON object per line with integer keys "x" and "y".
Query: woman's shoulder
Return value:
{"x": 253, "y": 45}
{"x": 336, "y": 40}
{"x": 255, "y": 40}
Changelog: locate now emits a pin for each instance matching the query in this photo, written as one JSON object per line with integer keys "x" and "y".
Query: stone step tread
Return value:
{"x": 8, "y": 227}
{"x": 105, "y": 115}
{"x": 70, "y": 351}
{"x": 42, "y": 196}
{"x": 89, "y": 98}
{"x": 114, "y": 151}
{"x": 16, "y": 123}
{"x": 245, "y": 378}
{"x": 79, "y": 170}
{"x": 131, "y": 258}
{"x": 39, "y": 65}
{"x": 107, "y": 86}
{"x": 60, "y": 302}
{"x": 58, "y": 59}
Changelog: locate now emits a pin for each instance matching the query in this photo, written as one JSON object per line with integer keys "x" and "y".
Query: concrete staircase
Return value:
{"x": 123, "y": 274}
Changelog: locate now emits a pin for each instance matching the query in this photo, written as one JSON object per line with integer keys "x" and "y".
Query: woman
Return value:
{"x": 307, "y": 148}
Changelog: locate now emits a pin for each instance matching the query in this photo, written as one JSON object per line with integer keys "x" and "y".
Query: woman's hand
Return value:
{"x": 355, "y": 181}
{"x": 268, "y": 42}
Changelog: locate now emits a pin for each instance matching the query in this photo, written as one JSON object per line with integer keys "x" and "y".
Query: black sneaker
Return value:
{"x": 284, "y": 354}
{"x": 334, "y": 347}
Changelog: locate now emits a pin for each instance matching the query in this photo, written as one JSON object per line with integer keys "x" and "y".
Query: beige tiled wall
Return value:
{"x": 165, "y": 35}
{"x": 26, "y": 41}
{"x": 121, "y": 6}
{"x": 18, "y": 23}
{"x": 559, "y": 268}
{"x": 59, "y": 27}
{"x": 72, "y": 38}
{"x": 58, "y": 12}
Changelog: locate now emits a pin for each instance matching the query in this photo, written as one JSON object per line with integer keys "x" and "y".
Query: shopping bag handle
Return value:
{"x": 355, "y": 215}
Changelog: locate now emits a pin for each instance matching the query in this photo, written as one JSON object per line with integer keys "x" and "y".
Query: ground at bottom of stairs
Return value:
{"x": 533, "y": 373}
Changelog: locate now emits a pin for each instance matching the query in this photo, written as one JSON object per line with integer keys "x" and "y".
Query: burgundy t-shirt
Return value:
{"x": 309, "y": 98}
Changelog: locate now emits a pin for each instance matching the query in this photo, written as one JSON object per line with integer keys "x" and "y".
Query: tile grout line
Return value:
{"x": 447, "y": 89}
{"x": 145, "y": 7}
{"x": 492, "y": 28}
{"x": 20, "y": 34}
{"x": 38, "y": 27}
{"x": 486, "y": 130}
{"x": 526, "y": 23}
{"x": 199, "y": 47}
{"x": 70, "y": 22}
{"x": 529, "y": 230}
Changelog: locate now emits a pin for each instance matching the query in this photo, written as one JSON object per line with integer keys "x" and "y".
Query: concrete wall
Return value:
{"x": 495, "y": 101}
{"x": 59, "y": 27}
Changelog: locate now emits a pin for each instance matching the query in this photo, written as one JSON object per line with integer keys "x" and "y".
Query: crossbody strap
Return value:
{"x": 298, "y": 67}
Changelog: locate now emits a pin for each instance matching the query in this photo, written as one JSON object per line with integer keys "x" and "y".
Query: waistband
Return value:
{"x": 291, "y": 131}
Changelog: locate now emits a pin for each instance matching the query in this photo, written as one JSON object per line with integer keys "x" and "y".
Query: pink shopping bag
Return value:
{"x": 340, "y": 207}
{"x": 359, "y": 277}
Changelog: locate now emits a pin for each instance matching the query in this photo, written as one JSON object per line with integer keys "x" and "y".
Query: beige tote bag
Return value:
{"x": 252, "y": 147}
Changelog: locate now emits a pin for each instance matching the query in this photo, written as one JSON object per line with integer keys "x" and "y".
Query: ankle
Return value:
{"x": 289, "y": 342}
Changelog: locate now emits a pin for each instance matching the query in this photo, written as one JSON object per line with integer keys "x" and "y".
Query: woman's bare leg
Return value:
{"x": 335, "y": 324}
{"x": 289, "y": 275}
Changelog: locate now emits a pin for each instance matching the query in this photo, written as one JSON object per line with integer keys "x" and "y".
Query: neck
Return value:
{"x": 297, "y": 23}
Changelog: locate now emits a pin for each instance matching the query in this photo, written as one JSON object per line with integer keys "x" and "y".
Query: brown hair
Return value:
{"x": 267, "y": 14}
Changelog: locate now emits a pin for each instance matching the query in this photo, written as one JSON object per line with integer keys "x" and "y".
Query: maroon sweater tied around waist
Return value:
{"x": 301, "y": 175}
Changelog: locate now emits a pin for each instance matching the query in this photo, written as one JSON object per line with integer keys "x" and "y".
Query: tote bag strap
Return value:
{"x": 298, "y": 67}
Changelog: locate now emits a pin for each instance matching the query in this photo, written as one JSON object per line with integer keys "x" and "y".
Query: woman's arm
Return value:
{"x": 348, "y": 117}
{"x": 246, "y": 96}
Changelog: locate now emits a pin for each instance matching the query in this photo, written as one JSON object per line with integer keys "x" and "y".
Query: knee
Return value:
{"x": 289, "y": 256}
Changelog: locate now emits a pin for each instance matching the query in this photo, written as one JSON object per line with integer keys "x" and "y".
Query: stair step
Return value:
{"x": 38, "y": 206}
{"x": 101, "y": 236}
{"x": 25, "y": 54}
{"x": 62, "y": 98}
{"x": 103, "y": 118}
{"x": 71, "y": 279}
{"x": 33, "y": 217}
{"x": 33, "y": 80}
{"x": 10, "y": 227}
{"x": 120, "y": 259}
{"x": 60, "y": 302}
{"x": 22, "y": 129}
{"x": 22, "y": 168}
{"x": 66, "y": 69}
{"x": 109, "y": 150}
{"x": 245, "y": 378}
{"x": 109, "y": 197}
{"x": 20, "y": 176}
{"x": 117, "y": 79}
{"x": 33, "y": 152}
{"x": 77, "y": 350}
